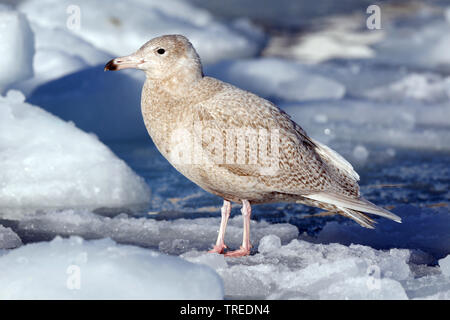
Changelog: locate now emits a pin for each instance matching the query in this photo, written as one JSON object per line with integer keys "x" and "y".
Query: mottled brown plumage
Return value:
{"x": 188, "y": 114}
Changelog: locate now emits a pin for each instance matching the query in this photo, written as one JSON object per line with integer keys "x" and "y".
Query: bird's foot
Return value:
{"x": 218, "y": 249}
{"x": 238, "y": 253}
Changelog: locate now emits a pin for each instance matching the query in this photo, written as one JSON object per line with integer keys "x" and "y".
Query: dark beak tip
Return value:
{"x": 111, "y": 66}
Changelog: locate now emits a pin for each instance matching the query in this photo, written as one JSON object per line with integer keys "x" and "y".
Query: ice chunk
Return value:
{"x": 269, "y": 243}
{"x": 122, "y": 27}
{"x": 315, "y": 271}
{"x": 359, "y": 288}
{"x": 213, "y": 260}
{"x": 8, "y": 238}
{"x": 16, "y": 49}
{"x": 48, "y": 163}
{"x": 101, "y": 269}
{"x": 282, "y": 79}
{"x": 59, "y": 52}
{"x": 445, "y": 265}
{"x": 173, "y": 237}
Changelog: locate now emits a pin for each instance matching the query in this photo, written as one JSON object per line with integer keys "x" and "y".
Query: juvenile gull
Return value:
{"x": 235, "y": 144}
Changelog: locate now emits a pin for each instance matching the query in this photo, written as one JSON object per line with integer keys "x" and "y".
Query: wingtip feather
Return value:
{"x": 359, "y": 204}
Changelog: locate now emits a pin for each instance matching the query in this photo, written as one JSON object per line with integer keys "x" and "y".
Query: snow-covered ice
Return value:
{"x": 172, "y": 236}
{"x": 122, "y": 27}
{"x": 101, "y": 269}
{"x": 48, "y": 163}
{"x": 303, "y": 270}
{"x": 59, "y": 53}
{"x": 282, "y": 267}
{"x": 16, "y": 49}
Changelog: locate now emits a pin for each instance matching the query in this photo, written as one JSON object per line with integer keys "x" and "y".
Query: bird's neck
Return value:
{"x": 164, "y": 100}
{"x": 179, "y": 84}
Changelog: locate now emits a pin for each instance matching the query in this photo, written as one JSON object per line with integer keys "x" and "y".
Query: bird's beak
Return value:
{"x": 131, "y": 61}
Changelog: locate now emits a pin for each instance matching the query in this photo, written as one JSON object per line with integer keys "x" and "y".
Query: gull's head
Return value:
{"x": 161, "y": 58}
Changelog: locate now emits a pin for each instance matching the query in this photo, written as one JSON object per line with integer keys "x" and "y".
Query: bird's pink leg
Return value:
{"x": 220, "y": 244}
{"x": 246, "y": 245}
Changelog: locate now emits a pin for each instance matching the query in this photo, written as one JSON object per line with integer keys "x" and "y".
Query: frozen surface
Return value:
{"x": 169, "y": 236}
{"x": 17, "y": 47}
{"x": 122, "y": 27}
{"x": 48, "y": 163}
{"x": 101, "y": 269}
{"x": 302, "y": 270}
{"x": 281, "y": 267}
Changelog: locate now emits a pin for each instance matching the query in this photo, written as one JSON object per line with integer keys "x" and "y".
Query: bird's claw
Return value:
{"x": 218, "y": 249}
{"x": 238, "y": 253}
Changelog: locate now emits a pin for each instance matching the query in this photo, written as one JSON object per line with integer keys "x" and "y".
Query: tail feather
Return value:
{"x": 359, "y": 217}
{"x": 355, "y": 205}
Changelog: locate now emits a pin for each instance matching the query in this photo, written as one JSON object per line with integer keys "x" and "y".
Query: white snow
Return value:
{"x": 101, "y": 269}
{"x": 48, "y": 163}
{"x": 277, "y": 78}
{"x": 122, "y": 27}
{"x": 16, "y": 49}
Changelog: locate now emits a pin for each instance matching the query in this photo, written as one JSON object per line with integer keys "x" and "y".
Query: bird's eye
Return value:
{"x": 161, "y": 51}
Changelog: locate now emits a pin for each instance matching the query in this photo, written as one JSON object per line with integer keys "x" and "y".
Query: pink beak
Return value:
{"x": 131, "y": 61}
